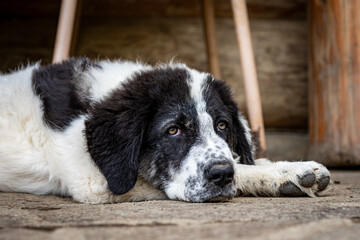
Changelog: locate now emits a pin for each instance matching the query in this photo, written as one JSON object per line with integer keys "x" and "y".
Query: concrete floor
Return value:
{"x": 336, "y": 216}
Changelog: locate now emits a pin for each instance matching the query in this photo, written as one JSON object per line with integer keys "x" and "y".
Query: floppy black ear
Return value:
{"x": 242, "y": 143}
{"x": 114, "y": 135}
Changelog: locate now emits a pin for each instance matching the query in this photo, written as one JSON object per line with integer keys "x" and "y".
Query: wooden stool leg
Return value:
{"x": 253, "y": 100}
{"x": 65, "y": 30}
{"x": 210, "y": 36}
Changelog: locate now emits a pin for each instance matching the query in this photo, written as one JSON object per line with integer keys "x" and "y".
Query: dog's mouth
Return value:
{"x": 220, "y": 197}
{"x": 213, "y": 194}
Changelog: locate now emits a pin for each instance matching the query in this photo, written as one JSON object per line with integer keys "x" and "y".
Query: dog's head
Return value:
{"x": 177, "y": 128}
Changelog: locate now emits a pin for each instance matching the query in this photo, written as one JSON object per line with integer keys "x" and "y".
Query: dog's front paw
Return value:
{"x": 304, "y": 178}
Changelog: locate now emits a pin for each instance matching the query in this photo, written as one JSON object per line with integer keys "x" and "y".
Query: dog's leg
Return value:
{"x": 282, "y": 179}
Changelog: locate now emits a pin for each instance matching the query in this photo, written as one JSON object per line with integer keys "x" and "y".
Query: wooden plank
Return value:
{"x": 210, "y": 38}
{"x": 252, "y": 92}
{"x": 260, "y": 9}
{"x": 78, "y": 14}
{"x": 334, "y": 112}
{"x": 65, "y": 30}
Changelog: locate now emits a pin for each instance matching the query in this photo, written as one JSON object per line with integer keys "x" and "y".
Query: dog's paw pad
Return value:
{"x": 323, "y": 182}
{"x": 291, "y": 190}
{"x": 304, "y": 178}
{"x": 307, "y": 180}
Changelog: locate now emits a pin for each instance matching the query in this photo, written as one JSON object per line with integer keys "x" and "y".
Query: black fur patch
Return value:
{"x": 221, "y": 106}
{"x": 123, "y": 130}
{"x": 164, "y": 152}
{"x": 56, "y": 86}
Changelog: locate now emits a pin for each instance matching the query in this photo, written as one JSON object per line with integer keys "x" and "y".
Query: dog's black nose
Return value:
{"x": 220, "y": 174}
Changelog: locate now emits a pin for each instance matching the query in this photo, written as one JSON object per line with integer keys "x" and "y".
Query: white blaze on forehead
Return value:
{"x": 207, "y": 132}
{"x": 196, "y": 82}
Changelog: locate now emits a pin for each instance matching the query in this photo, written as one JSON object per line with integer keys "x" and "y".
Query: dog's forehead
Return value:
{"x": 197, "y": 82}
{"x": 203, "y": 88}
{"x": 185, "y": 90}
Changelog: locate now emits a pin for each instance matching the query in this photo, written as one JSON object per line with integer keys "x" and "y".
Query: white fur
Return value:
{"x": 101, "y": 81}
{"x": 26, "y": 144}
{"x": 266, "y": 177}
{"x": 196, "y": 82}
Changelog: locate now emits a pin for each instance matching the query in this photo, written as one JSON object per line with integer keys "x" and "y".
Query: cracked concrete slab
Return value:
{"x": 335, "y": 216}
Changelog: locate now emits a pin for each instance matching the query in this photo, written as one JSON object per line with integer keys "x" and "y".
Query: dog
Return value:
{"x": 105, "y": 131}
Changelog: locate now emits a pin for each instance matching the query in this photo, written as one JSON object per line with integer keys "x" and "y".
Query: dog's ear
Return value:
{"x": 241, "y": 138}
{"x": 114, "y": 135}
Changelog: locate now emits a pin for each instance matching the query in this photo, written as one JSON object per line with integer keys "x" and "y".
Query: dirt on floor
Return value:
{"x": 335, "y": 216}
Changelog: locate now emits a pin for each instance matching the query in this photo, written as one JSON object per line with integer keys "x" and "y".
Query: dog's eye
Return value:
{"x": 221, "y": 126}
{"x": 174, "y": 131}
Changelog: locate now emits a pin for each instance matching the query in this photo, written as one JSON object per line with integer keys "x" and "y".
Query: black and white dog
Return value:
{"x": 113, "y": 131}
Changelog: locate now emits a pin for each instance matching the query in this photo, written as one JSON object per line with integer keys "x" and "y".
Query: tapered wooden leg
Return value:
{"x": 65, "y": 30}
{"x": 253, "y": 100}
{"x": 210, "y": 36}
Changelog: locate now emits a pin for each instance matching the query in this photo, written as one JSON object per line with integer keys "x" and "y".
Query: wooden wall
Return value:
{"x": 159, "y": 30}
